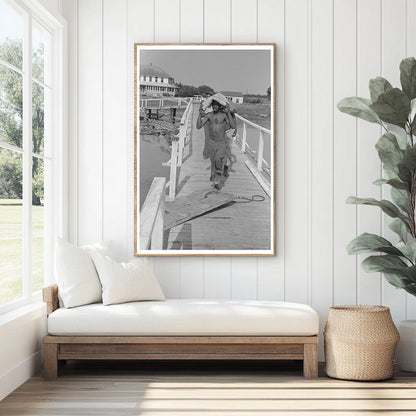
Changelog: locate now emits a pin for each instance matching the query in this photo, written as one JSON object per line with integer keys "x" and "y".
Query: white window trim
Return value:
{"x": 59, "y": 144}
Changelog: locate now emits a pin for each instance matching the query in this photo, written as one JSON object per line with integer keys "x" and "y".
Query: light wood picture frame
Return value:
{"x": 205, "y": 151}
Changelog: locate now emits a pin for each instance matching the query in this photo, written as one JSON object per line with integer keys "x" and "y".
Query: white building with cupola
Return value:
{"x": 156, "y": 82}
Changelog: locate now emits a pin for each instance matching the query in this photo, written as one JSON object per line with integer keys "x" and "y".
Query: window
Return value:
{"x": 31, "y": 140}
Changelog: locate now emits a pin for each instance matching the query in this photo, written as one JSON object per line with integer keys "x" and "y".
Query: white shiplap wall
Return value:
{"x": 326, "y": 50}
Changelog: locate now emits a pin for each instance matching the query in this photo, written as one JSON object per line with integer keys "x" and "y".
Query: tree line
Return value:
{"x": 189, "y": 91}
{"x": 11, "y": 122}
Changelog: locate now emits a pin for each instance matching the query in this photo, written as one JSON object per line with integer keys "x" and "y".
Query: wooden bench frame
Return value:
{"x": 58, "y": 349}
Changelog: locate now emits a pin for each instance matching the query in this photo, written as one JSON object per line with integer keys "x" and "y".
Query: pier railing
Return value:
{"x": 261, "y": 165}
{"x": 152, "y": 216}
{"x": 178, "y": 145}
{"x": 164, "y": 102}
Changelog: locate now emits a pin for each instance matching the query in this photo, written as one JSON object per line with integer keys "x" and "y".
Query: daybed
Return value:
{"x": 181, "y": 329}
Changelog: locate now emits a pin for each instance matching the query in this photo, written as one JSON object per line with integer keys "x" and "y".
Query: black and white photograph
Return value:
{"x": 204, "y": 149}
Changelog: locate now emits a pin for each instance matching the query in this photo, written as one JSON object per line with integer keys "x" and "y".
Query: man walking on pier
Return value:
{"x": 217, "y": 147}
{"x": 206, "y": 106}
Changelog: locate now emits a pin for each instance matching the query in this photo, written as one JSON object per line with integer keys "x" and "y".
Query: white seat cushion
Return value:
{"x": 187, "y": 317}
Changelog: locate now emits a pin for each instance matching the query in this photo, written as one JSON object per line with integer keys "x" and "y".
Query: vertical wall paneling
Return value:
{"x": 217, "y": 29}
{"x": 411, "y": 51}
{"x": 321, "y": 148}
{"x": 296, "y": 152}
{"x": 114, "y": 124}
{"x": 368, "y": 162}
{"x": 217, "y": 21}
{"x": 137, "y": 11}
{"x": 244, "y": 21}
{"x": 168, "y": 270}
{"x": 345, "y": 151}
{"x": 192, "y": 21}
{"x": 271, "y": 29}
{"x": 90, "y": 129}
{"x": 167, "y": 30}
{"x": 244, "y": 30}
{"x": 70, "y": 11}
{"x": 217, "y": 278}
{"x": 326, "y": 50}
{"x": 192, "y": 278}
{"x": 244, "y": 278}
{"x": 192, "y": 31}
{"x": 167, "y": 16}
{"x": 393, "y": 51}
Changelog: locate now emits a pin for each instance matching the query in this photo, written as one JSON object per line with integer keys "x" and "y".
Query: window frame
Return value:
{"x": 57, "y": 226}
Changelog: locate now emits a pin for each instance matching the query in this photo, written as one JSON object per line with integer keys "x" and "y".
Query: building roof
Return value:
{"x": 232, "y": 94}
{"x": 153, "y": 71}
{"x": 158, "y": 84}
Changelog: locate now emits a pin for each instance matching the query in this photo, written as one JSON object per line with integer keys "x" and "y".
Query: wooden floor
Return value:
{"x": 226, "y": 389}
{"x": 239, "y": 225}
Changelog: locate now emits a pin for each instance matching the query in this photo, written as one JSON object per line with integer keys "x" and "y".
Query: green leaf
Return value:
{"x": 404, "y": 173}
{"x": 400, "y": 198}
{"x": 402, "y": 139}
{"x": 366, "y": 243}
{"x": 410, "y": 272}
{"x": 392, "y": 107}
{"x": 380, "y": 182}
{"x": 411, "y": 289}
{"x": 408, "y": 77}
{"x": 389, "y": 208}
{"x": 412, "y": 109}
{"x": 397, "y": 280}
{"x": 359, "y": 107}
{"x": 381, "y": 263}
{"x": 400, "y": 228}
{"x": 396, "y": 271}
{"x": 390, "y": 173}
{"x": 378, "y": 86}
{"x": 412, "y": 115}
{"x": 389, "y": 151}
{"x": 410, "y": 158}
{"x": 408, "y": 249}
{"x": 398, "y": 184}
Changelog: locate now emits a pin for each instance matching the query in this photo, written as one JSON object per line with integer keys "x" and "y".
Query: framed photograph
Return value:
{"x": 204, "y": 149}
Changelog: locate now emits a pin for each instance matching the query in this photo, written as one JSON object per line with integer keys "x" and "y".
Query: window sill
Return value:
{"x": 33, "y": 307}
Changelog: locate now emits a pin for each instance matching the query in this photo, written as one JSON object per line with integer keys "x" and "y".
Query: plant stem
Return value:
{"x": 412, "y": 196}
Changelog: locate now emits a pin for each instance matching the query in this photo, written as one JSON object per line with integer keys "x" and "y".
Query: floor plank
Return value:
{"x": 206, "y": 388}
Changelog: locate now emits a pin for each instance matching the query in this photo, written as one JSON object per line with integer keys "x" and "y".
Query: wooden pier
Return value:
{"x": 241, "y": 222}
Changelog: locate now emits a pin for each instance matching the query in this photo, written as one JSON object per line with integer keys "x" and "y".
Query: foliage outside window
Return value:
{"x": 25, "y": 156}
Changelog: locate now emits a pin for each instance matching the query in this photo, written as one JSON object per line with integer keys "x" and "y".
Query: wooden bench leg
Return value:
{"x": 50, "y": 360}
{"x": 310, "y": 360}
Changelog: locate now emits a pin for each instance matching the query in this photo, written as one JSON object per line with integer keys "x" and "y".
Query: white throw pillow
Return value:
{"x": 75, "y": 273}
{"x": 103, "y": 247}
{"x": 126, "y": 282}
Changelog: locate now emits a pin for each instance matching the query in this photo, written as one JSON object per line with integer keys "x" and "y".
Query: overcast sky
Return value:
{"x": 223, "y": 70}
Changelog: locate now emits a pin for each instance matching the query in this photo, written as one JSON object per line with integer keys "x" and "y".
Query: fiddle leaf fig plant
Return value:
{"x": 394, "y": 109}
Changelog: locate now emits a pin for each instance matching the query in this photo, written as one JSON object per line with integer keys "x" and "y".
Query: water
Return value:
{"x": 153, "y": 151}
{"x": 253, "y": 140}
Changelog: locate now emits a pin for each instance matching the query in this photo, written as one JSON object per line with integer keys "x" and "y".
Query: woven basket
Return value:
{"x": 360, "y": 341}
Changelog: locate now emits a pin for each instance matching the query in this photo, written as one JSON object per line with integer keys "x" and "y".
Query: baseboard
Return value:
{"x": 10, "y": 380}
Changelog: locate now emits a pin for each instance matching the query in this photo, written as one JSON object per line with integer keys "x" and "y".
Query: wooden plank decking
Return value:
{"x": 238, "y": 225}
{"x": 220, "y": 389}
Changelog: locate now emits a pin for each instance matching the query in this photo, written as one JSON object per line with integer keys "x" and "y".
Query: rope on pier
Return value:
{"x": 244, "y": 199}
{"x": 240, "y": 199}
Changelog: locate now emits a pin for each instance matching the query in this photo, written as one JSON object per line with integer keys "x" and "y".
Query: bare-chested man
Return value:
{"x": 217, "y": 147}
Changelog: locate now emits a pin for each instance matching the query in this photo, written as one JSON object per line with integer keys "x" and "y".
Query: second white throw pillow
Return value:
{"x": 126, "y": 282}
